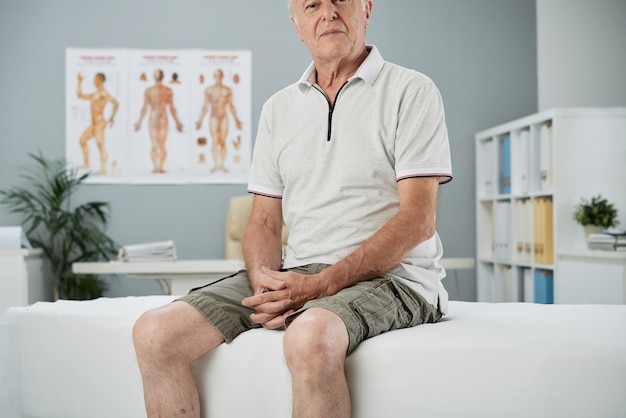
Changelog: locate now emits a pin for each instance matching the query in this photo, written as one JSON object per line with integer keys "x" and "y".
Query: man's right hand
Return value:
{"x": 272, "y": 317}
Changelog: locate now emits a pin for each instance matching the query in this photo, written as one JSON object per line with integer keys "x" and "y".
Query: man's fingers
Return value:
{"x": 260, "y": 299}
{"x": 271, "y": 307}
{"x": 276, "y": 322}
{"x": 262, "y": 318}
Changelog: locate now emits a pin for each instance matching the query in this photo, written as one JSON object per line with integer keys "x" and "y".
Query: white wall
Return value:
{"x": 481, "y": 53}
{"x": 581, "y": 53}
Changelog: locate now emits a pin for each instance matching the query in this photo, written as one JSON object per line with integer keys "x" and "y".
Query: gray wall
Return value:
{"x": 481, "y": 53}
{"x": 581, "y": 53}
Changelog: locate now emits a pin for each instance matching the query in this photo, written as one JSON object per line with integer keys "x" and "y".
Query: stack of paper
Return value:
{"x": 611, "y": 240}
{"x": 153, "y": 251}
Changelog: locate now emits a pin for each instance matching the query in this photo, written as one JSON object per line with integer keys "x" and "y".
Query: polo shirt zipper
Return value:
{"x": 331, "y": 108}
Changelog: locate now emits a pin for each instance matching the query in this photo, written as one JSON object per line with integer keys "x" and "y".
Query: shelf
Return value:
{"x": 530, "y": 175}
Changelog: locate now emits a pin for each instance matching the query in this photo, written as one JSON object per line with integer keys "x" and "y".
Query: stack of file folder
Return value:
{"x": 153, "y": 251}
{"x": 608, "y": 240}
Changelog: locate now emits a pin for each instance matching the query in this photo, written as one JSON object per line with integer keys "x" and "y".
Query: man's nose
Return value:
{"x": 329, "y": 10}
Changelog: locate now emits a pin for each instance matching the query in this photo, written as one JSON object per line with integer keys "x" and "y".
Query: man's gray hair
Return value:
{"x": 290, "y": 4}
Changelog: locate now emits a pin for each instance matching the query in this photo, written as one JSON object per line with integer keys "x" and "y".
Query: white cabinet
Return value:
{"x": 592, "y": 277}
{"x": 530, "y": 175}
{"x": 24, "y": 278}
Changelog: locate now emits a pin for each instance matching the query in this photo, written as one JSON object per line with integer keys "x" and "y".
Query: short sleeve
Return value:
{"x": 422, "y": 148}
{"x": 265, "y": 176}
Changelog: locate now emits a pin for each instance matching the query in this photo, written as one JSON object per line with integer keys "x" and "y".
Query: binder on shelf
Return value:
{"x": 543, "y": 229}
{"x": 505, "y": 165}
{"x": 522, "y": 230}
{"x": 502, "y": 231}
{"x": 548, "y": 256}
{"x": 519, "y": 231}
{"x": 529, "y": 285}
{"x": 528, "y": 216}
{"x": 521, "y": 163}
{"x": 488, "y": 168}
{"x": 545, "y": 157}
{"x": 538, "y": 229}
{"x": 511, "y": 286}
{"x": 544, "y": 287}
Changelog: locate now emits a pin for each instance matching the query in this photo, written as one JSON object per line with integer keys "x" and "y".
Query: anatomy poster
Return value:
{"x": 159, "y": 116}
{"x": 96, "y": 110}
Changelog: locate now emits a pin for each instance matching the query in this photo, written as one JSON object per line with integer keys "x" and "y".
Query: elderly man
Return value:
{"x": 350, "y": 157}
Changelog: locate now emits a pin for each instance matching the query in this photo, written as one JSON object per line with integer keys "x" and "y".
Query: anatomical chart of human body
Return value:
{"x": 159, "y": 116}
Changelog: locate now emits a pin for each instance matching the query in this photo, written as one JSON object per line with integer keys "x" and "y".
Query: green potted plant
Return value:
{"x": 65, "y": 232}
{"x": 596, "y": 214}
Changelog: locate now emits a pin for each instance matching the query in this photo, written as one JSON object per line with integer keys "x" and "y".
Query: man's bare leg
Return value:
{"x": 167, "y": 340}
{"x": 315, "y": 349}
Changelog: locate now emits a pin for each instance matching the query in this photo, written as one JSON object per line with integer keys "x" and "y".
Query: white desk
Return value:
{"x": 184, "y": 274}
{"x": 187, "y": 274}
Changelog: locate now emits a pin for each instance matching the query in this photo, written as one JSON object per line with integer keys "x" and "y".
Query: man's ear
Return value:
{"x": 294, "y": 22}
{"x": 368, "y": 13}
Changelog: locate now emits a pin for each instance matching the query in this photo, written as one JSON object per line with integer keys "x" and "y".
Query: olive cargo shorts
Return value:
{"x": 368, "y": 308}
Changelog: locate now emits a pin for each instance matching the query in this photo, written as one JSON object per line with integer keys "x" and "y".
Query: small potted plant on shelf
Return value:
{"x": 596, "y": 215}
{"x": 66, "y": 232}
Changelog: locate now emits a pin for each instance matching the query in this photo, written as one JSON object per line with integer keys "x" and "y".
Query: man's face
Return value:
{"x": 98, "y": 81}
{"x": 331, "y": 29}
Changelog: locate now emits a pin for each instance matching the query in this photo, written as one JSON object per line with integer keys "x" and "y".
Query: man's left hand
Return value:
{"x": 273, "y": 306}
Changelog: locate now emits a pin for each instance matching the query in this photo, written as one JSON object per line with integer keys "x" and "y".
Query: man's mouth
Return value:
{"x": 331, "y": 32}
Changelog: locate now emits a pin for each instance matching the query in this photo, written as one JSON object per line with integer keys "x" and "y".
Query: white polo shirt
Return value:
{"x": 336, "y": 167}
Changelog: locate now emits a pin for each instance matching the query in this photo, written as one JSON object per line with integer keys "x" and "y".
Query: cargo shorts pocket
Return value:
{"x": 382, "y": 308}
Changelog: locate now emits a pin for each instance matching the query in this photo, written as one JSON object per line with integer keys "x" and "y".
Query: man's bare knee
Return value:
{"x": 174, "y": 333}
{"x": 317, "y": 338}
{"x": 149, "y": 338}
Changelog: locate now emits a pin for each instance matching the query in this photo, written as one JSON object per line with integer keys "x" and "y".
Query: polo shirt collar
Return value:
{"x": 368, "y": 71}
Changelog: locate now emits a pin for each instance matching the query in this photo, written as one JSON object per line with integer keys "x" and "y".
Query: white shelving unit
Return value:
{"x": 530, "y": 175}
